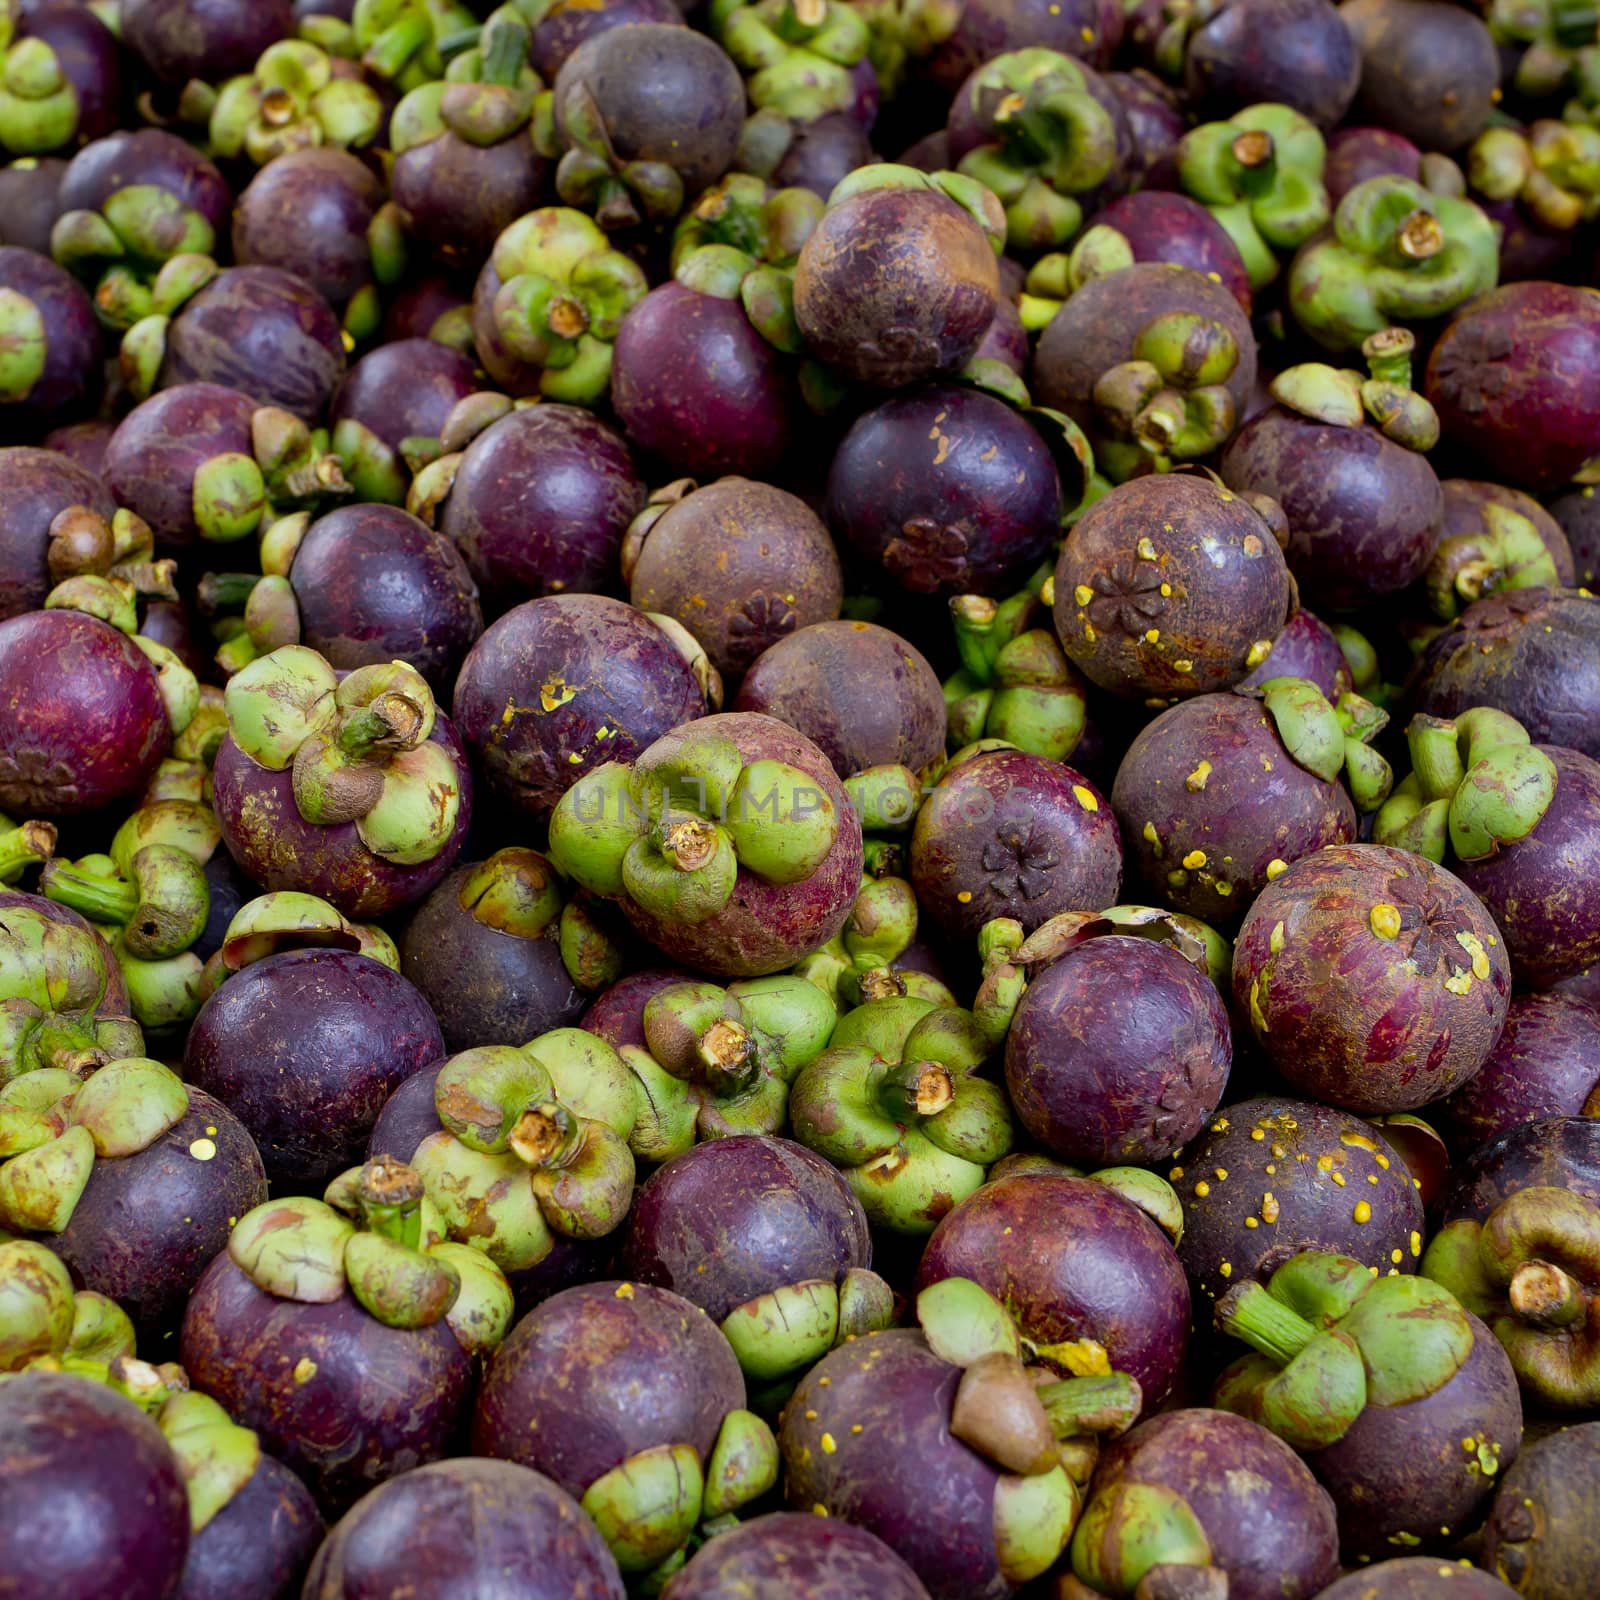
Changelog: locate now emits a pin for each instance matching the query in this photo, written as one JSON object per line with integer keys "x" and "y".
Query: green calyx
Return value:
{"x": 1476, "y": 787}
{"x": 1505, "y": 553}
{"x": 1260, "y": 176}
{"x": 1398, "y": 253}
{"x": 216, "y": 1456}
{"x": 289, "y": 920}
{"x": 37, "y": 1309}
{"x": 797, "y": 54}
{"x": 24, "y": 346}
{"x": 405, "y": 42}
{"x": 1050, "y": 140}
{"x": 27, "y": 844}
{"x": 1552, "y": 170}
{"x": 38, "y": 104}
{"x": 161, "y": 904}
{"x": 85, "y": 544}
{"x": 1331, "y": 741}
{"x": 293, "y": 100}
{"x": 1343, "y": 399}
{"x": 516, "y": 892}
{"x": 780, "y": 1334}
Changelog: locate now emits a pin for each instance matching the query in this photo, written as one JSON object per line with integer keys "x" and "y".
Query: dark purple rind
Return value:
{"x": 1578, "y": 514}
{"x": 1307, "y": 648}
{"x": 1291, "y": 52}
{"x": 1088, "y": 29}
{"x": 822, "y": 154}
{"x": 73, "y": 346}
{"x": 736, "y": 1218}
{"x": 147, "y": 156}
{"x": 1418, "y": 1578}
{"x": 1358, "y": 153}
{"x": 617, "y": 1013}
{"x": 304, "y": 1048}
{"x": 455, "y": 198}
{"x": 1557, "y": 1152}
{"x": 630, "y": 680}
{"x": 405, "y": 389}
{"x": 83, "y": 443}
{"x": 1303, "y": 1151}
{"x": 36, "y": 486}
{"x": 1154, "y": 114}
{"x": 206, "y": 39}
{"x": 600, "y": 1372}
{"x": 1541, "y": 1533}
{"x": 1118, "y": 1053}
{"x": 1018, "y": 836}
{"x": 567, "y": 23}
{"x": 1072, "y": 1260}
{"x": 30, "y": 202}
{"x": 340, "y": 1430}
{"x": 1162, "y": 226}
{"x": 89, "y": 56}
{"x": 258, "y": 1546}
{"x": 1465, "y": 500}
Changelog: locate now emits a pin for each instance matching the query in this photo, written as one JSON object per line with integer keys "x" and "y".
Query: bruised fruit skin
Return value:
{"x": 1118, "y": 1052}
{"x": 1558, "y": 1152}
{"x": 1372, "y": 978}
{"x": 1250, "y": 1203}
{"x": 466, "y": 1525}
{"x": 1007, "y": 834}
{"x": 1418, "y": 1578}
{"x": 820, "y": 1557}
{"x": 1088, "y": 1276}
{"x": 1540, "y": 1536}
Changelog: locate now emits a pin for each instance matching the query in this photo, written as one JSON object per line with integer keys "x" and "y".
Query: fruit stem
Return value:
{"x": 1108, "y": 1405}
{"x": 101, "y": 899}
{"x": 390, "y": 1194}
{"x": 1436, "y": 756}
{"x": 1388, "y": 355}
{"x": 912, "y": 1090}
{"x": 1544, "y": 1296}
{"x": 727, "y": 1056}
{"x": 392, "y": 721}
{"x": 546, "y": 1135}
{"x": 24, "y": 846}
{"x": 226, "y": 591}
{"x": 1249, "y": 1312}
{"x": 60, "y": 1042}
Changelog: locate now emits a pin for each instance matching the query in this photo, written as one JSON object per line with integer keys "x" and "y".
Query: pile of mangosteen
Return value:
{"x": 799, "y": 800}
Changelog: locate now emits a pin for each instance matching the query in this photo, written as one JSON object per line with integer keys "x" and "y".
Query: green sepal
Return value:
{"x": 785, "y": 1330}
{"x": 743, "y": 1465}
{"x": 647, "y": 1508}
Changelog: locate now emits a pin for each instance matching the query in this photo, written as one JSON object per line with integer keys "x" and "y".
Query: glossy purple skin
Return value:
{"x": 374, "y": 584}
{"x": 1540, "y": 1534}
{"x": 949, "y": 490}
{"x": 1118, "y": 1053}
{"x": 1417, "y": 1578}
{"x": 766, "y": 927}
{"x": 147, "y": 1225}
{"x": 1359, "y": 1019}
{"x": 617, "y": 1013}
{"x": 272, "y": 843}
{"x": 304, "y": 1048}
{"x": 1356, "y": 154}
{"x": 258, "y": 1546}
{"x": 1072, "y": 1260}
{"x": 1160, "y": 226}
{"x": 1292, "y": 52}
{"x": 418, "y": 305}
{"x": 307, "y": 212}
{"x": 1563, "y": 1152}
{"x": 1301, "y": 1149}
{"x": 30, "y": 202}
{"x": 485, "y": 1528}
{"x": 630, "y": 679}
{"x": 147, "y": 156}
{"x": 89, "y": 733}
{"x": 1270, "y": 1526}
{"x": 339, "y": 1430}
{"x": 1007, "y": 340}
{"x": 823, "y": 153}
{"x": 151, "y": 459}
{"x": 902, "y": 1477}
{"x": 1402, "y": 1469}
{"x": 1429, "y": 70}
{"x": 1578, "y": 514}
{"x": 568, "y": 23}
{"x": 1533, "y": 653}
{"x": 264, "y": 332}
{"x": 88, "y": 55}
{"x": 541, "y": 502}
{"x": 485, "y": 985}
{"x": 1546, "y": 1063}
{"x": 592, "y": 1377}
{"x": 208, "y": 39}
{"x": 695, "y": 1231}
{"x": 71, "y": 373}
{"x": 1364, "y": 513}
{"x": 1154, "y": 114}
{"x": 36, "y": 486}
{"x": 1465, "y": 506}
{"x": 95, "y": 1504}
{"x": 1307, "y": 648}
{"x": 694, "y": 384}
{"x": 455, "y": 198}
{"x": 858, "y": 692}
{"x": 1020, "y": 836}
{"x": 1515, "y": 378}
{"x": 404, "y": 390}
{"x": 1254, "y": 807}
{"x": 1091, "y": 30}
{"x": 84, "y": 443}
{"x": 1542, "y": 891}
{"x": 820, "y": 1557}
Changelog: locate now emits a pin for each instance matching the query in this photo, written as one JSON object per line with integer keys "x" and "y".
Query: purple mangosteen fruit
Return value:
{"x": 36, "y": 487}
{"x": 1540, "y": 1536}
{"x": 65, "y": 85}
{"x": 258, "y": 1545}
{"x": 30, "y": 201}
{"x": 53, "y": 359}
{"x": 206, "y": 39}
{"x": 1417, "y": 1578}
{"x": 564, "y": 25}
{"x": 617, "y": 1015}
{"x": 1158, "y": 225}
{"x": 1493, "y": 538}
{"x": 1559, "y": 1152}
{"x": 1578, "y": 514}
{"x": 827, "y": 1559}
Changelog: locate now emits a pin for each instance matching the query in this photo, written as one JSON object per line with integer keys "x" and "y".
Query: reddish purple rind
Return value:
{"x": 1091, "y": 30}
{"x": 84, "y": 443}
{"x": 374, "y": 584}
{"x": 1358, "y": 153}
{"x": 1162, "y": 226}
{"x": 617, "y": 1014}
{"x": 600, "y": 1372}
{"x": 1418, "y": 1578}
{"x": 337, "y": 1428}
{"x": 481, "y": 1527}
{"x": 1226, "y": 1177}
{"x": 1358, "y": 1018}
{"x": 1306, "y": 648}
{"x": 949, "y": 490}
{"x": 264, "y": 332}
{"x": 1515, "y": 378}
{"x": 72, "y": 355}
{"x": 1268, "y": 1522}
{"x": 1557, "y": 1152}
{"x": 206, "y": 39}
{"x": 258, "y": 1546}
{"x": 36, "y": 486}
{"x": 861, "y": 694}
{"x": 1465, "y": 500}
{"x": 1532, "y": 653}
{"x": 1544, "y": 890}
{"x": 30, "y": 202}
{"x": 404, "y": 389}
{"x": 884, "y": 1401}
{"x": 148, "y": 157}
{"x": 561, "y": 29}
{"x": 90, "y": 58}
{"x": 265, "y": 833}
{"x": 1007, "y": 340}
{"x": 86, "y": 733}
{"x": 418, "y": 305}
{"x": 694, "y": 384}
{"x": 629, "y": 677}
{"x": 1072, "y": 1260}
{"x": 736, "y": 1218}
{"x": 1156, "y": 123}
{"x": 1364, "y": 513}
{"x": 409, "y": 1115}
{"x": 821, "y": 1558}
{"x": 1212, "y": 776}
{"x": 1541, "y": 1534}
{"x": 1291, "y": 52}
{"x": 456, "y": 198}
{"x": 147, "y": 1225}
{"x": 1118, "y": 1053}
{"x": 1578, "y": 514}
{"x": 304, "y": 1048}
{"x": 1405, "y": 1474}
{"x": 541, "y": 502}
{"x": 94, "y": 1502}
{"x": 1546, "y": 1063}
{"x": 766, "y": 927}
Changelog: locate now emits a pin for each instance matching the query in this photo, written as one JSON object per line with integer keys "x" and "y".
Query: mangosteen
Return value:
{"x": 1578, "y": 513}
{"x": 1540, "y": 1534}
{"x": 1357, "y": 153}
{"x": 565, "y": 25}
{"x": 617, "y": 1014}
{"x": 37, "y": 487}
{"x": 1417, "y": 1578}
{"x": 64, "y": 82}
{"x": 207, "y": 39}
{"x": 259, "y": 1544}
{"x": 1562, "y": 1152}
{"x": 49, "y": 326}
{"x": 1156, "y": 225}
{"x": 1494, "y": 538}
{"x": 30, "y": 190}
{"x": 828, "y": 1559}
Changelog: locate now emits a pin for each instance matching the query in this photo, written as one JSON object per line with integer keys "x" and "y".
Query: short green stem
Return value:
{"x": 100, "y": 899}
{"x": 390, "y": 1195}
{"x": 1249, "y": 1312}
{"x": 221, "y": 592}
{"x": 1105, "y": 1405}
{"x": 25, "y": 846}
{"x": 1435, "y": 756}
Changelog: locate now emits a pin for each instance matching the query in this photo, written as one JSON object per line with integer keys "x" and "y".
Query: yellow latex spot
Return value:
{"x": 811, "y": 1416}
{"x": 1381, "y": 1159}
{"x": 1166, "y": 591}
{"x": 1324, "y": 1163}
{"x": 1195, "y": 860}
{"x": 1362, "y": 1212}
{"x": 1226, "y": 1269}
{"x": 818, "y": 1509}
{"x": 1269, "y": 1206}
{"x": 1152, "y": 636}
{"x": 305, "y": 1369}
{"x": 1459, "y": 982}
{"x": 1183, "y": 666}
{"x": 1372, "y": 1178}
{"x": 1089, "y": 635}
{"x": 1275, "y": 868}
{"x": 1384, "y": 920}
{"x": 1150, "y": 834}
{"x": 1251, "y": 1222}
{"x": 1083, "y": 594}
{"x": 1416, "y": 1243}
{"x": 554, "y": 694}
{"x": 1222, "y": 1174}
{"x": 1257, "y": 653}
{"x": 822, "y": 1383}
{"x": 210, "y": 1130}
{"x": 1359, "y": 1141}
{"x": 1480, "y": 957}
{"x": 855, "y": 1427}
{"x": 1085, "y": 797}
{"x": 965, "y": 897}
{"x": 1258, "y": 1134}
{"x": 623, "y": 1291}
{"x": 1272, "y": 1169}
{"x": 1338, "y": 1178}
{"x": 1147, "y": 551}
{"x": 1175, "y": 1174}
{"x": 1223, "y": 887}
{"x": 575, "y": 759}
{"x": 1397, "y": 1256}
{"x": 1196, "y": 780}
{"x": 1202, "y": 1188}
{"x": 828, "y": 1446}
{"x": 203, "y": 1149}
{"x": 1275, "y": 938}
